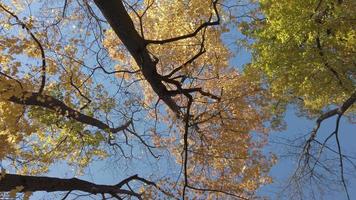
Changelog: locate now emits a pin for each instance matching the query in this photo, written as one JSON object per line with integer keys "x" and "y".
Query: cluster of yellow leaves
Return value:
{"x": 32, "y": 137}
{"x": 178, "y": 18}
{"x": 59, "y": 139}
{"x": 13, "y": 127}
{"x": 306, "y": 49}
{"x": 226, "y": 142}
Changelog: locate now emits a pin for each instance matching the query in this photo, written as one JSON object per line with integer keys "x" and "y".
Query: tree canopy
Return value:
{"x": 304, "y": 46}
{"x": 149, "y": 86}
{"x": 304, "y": 52}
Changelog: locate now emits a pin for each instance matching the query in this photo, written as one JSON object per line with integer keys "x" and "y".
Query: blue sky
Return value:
{"x": 280, "y": 143}
{"x": 109, "y": 171}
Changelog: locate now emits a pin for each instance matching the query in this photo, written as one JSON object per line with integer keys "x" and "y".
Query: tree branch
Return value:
{"x": 120, "y": 21}
{"x": 51, "y": 184}
{"x": 189, "y": 35}
{"x": 49, "y": 102}
{"x": 337, "y": 111}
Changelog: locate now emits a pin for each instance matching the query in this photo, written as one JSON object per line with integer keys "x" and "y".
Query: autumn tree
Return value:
{"x": 82, "y": 80}
{"x": 304, "y": 52}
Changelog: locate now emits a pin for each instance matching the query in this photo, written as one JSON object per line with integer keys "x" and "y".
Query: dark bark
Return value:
{"x": 338, "y": 111}
{"x": 120, "y": 21}
{"x": 51, "y": 184}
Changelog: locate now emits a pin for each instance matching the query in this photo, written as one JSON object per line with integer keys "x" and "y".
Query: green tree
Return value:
{"x": 304, "y": 52}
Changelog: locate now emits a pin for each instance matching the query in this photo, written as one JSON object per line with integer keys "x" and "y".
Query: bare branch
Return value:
{"x": 186, "y": 145}
{"x": 337, "y": 111}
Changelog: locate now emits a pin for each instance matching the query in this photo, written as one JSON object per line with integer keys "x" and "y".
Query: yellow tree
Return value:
{"x": 85, "y": 80}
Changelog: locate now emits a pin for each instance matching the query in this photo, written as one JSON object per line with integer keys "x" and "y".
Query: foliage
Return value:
{"x": 305, "y": 51}
{"x": 86, "y": 80}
